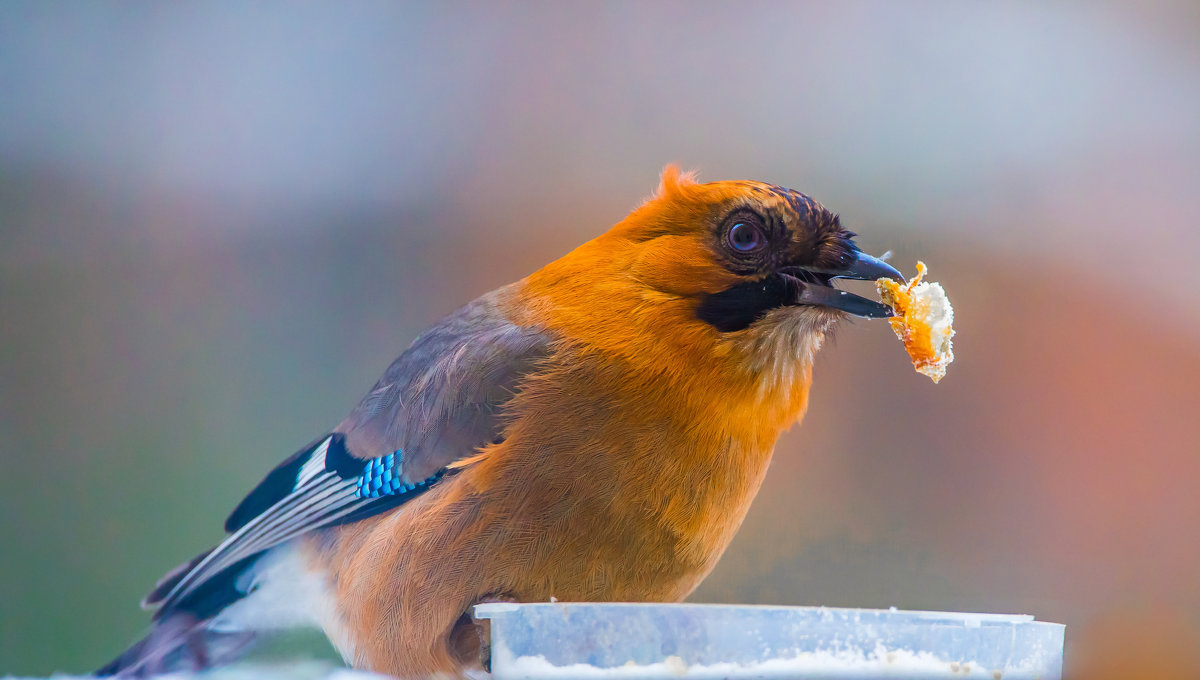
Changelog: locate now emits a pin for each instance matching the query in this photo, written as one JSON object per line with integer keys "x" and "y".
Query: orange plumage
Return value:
{"x": 671, "y": 352}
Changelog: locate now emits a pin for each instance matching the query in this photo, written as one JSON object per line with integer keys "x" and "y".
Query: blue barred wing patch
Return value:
{"x": 384, "y": 476}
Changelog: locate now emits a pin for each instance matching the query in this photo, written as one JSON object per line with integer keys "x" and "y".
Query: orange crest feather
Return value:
{"x": 672, "y": 180}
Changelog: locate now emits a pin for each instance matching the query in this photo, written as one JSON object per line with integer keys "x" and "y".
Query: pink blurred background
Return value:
{"x": 220, "y": 221}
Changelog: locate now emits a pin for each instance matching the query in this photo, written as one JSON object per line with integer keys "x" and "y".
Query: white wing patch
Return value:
{"x": 319, "y": 498}
{"x": 314, "y": 466}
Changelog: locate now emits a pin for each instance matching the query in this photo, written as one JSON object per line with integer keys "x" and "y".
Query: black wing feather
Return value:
{"x": 278, "y": 483}
{"x": 440, "y": 401}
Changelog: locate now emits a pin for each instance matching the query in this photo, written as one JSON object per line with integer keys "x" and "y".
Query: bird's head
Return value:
{"x": 737, "y": 276}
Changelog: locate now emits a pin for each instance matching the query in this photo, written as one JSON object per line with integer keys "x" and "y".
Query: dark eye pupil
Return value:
{"x": 745, "y": 237}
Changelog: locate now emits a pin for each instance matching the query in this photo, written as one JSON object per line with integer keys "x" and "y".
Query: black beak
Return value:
{"x": 863, "y": 267}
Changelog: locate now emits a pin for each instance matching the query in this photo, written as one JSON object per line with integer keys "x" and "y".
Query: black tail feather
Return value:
{"x": 170, "y": 579}
{"x": 178, "y": 643}
{"x": 180, "y": 639}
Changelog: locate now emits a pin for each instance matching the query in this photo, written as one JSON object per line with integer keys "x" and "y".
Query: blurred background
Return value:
{"x": 219, "y": 222}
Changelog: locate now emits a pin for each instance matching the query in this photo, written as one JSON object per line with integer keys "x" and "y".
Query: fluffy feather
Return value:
{"x": 592, "y": 432}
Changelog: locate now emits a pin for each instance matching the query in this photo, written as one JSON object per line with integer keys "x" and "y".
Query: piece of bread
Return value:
{"x": 924, "y": 320}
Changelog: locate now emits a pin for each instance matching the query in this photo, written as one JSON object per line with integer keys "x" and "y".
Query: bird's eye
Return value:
{"x": 746, "y": 237}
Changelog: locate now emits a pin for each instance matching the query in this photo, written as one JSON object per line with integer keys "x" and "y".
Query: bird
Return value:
{"x": 595, "y": 431}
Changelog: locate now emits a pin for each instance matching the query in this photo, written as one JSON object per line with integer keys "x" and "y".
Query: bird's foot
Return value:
{"x": 470, "y": 639}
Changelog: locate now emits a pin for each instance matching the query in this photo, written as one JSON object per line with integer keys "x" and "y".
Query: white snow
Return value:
{"x": 881, "y": 662}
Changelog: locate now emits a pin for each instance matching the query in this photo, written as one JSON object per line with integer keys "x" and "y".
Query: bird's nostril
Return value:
{"x": 807, "y": 276}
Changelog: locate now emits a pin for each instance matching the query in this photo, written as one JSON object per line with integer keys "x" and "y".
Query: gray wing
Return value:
{"x": 442, "y": 398}
{"x": 440, "y": 401}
